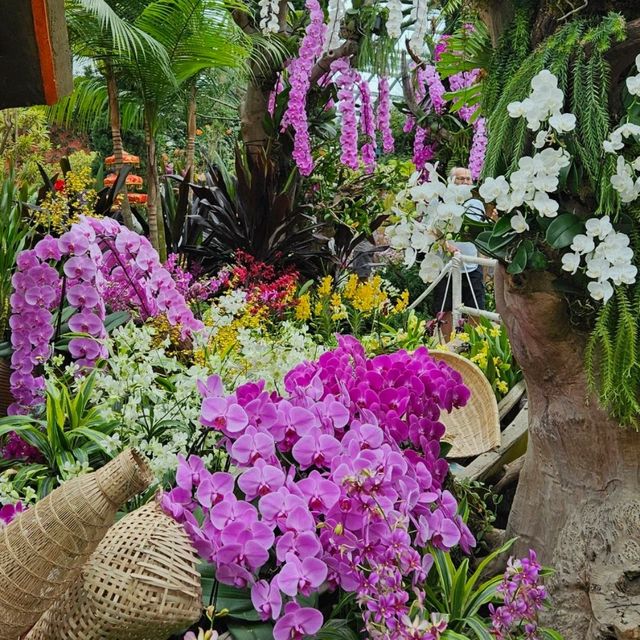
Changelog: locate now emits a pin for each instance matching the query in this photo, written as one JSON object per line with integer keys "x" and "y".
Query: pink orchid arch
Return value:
{"x": 98, "y": 254}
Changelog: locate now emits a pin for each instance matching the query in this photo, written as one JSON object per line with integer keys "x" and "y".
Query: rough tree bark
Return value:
{"x": 116, "y": 137}
{"x": 578, "y": 500}
{"x": 191, "y": 130}
{"x": 152, "y": 193}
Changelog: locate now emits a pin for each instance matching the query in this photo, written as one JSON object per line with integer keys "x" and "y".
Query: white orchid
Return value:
{"x": 494, "y": 188}
{"x": 600, "y": 290}
{"x": 633, "y": 85}
{"x": 563, "y": 122}
{"x": 571, "y": 262}
{"x": 582, "y": 244}
{"x": 519, "y": 223}
{"x": 431, "y": 267}
{"x": 599, "y": 227}
{"x": 544, "y": 205}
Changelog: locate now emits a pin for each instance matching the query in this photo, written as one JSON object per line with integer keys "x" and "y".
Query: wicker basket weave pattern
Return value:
{"x": 474, "y": 428}
{"x": 140, "y": 583}
{"x": 42, "y": 551}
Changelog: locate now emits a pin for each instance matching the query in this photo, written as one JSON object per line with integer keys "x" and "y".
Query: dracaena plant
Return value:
{"x": 247, "y": 212}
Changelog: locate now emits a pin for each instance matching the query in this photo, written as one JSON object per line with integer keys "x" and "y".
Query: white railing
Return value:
{"x": 454, "y": 271}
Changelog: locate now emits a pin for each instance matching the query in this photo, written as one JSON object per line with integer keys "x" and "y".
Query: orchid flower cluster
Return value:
{"x": 608, "y": 263}
{"x": 427, "y": 212}
{"x": 98, "y": 253}
{"x": 524, "y": 598}
{"x": 384, "y": 115}
{"x": 626, "y": 180}
{"x": 537, "y": 176}
{"x": 300, "y": 69}
{"x": 269, "y": 16}
{"x": 340, "y": 482}
{"x": 324, "y": 39}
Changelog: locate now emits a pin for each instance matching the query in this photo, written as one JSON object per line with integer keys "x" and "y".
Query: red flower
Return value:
{"x": 59, "y": 185}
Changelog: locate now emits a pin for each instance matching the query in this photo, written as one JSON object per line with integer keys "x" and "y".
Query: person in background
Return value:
{"x": 473, "y": 292}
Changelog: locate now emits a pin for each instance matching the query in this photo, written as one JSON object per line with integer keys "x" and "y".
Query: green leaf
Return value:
{"x": 479, "y": 627}
{"x": 471, "y": 583}
{"x": 336, "y": 630}
{"x": 449, "y": 634}
{"x": 519, "y": 262}
{"x": 550, "y": 634}
{"x": 236, "y": 601}
{"x": 259, "y": 631}
{"x": 538, "y": 261}
{"x": 562, "y": 230}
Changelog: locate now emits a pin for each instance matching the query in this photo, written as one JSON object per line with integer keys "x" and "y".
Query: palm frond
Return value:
{"x": 88, "y": 105}
{"x": 97, "y": 30}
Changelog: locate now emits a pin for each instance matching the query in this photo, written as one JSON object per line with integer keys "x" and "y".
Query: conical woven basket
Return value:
{"x": 140, "y": 583}
{"x": 42, "y": 551}
{"x": 474, "y": 428}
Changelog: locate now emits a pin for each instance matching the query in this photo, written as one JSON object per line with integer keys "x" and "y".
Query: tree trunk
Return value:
{"x": 578, "y": 499}
{"x": 191, "y": 131}
{"x": 152, "y": 193}
{"x": 116, "y": 137}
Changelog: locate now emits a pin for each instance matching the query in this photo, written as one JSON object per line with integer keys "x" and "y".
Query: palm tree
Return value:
{"x": 168, "y": 44}
{"x": 99, "y": 31}
{"x": 197, "y": 35}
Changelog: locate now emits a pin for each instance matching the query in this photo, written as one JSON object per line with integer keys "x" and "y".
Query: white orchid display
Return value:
{"x": 430, "y": 212}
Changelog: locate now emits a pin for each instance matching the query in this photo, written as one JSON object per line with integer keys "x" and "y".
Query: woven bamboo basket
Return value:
{"x": 474, "y": 428}
{"x": 140, "y": 583}
{"x": 43, "y": 550}
{"x": 5, "y": 386}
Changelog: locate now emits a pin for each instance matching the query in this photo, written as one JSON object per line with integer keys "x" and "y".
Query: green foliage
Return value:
{"x": 14, "y": 236}
{"x": 576, "y": 55}
{"x": 487, "y": 345}
{"x": 512, "y": 49}
{"x": 612, "y": 356}
{"x": 70, "y": 436}
{"x": 24, "y": 142}
{"x": 450, "y": 590}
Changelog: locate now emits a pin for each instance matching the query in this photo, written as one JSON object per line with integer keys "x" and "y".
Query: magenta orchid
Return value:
{"x": 346, "y": 473}
{"x": 100, "y": 256}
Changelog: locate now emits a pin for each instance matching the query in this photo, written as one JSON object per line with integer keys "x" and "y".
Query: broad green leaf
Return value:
{"x": 248, "y": 631}
{"x": 336, "y": 630}
{"x": 479, "y": 628}
{"x": 550, "y": 634}
{"x": 562, "y": 230}
{"x": 471, "y": 583}
{"x": 519, "y": 262}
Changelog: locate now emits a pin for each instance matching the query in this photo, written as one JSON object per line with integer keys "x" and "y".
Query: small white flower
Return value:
{"x": 633, "y": 85}
{"x": 600, "y": 290}
{"x": 563, "y": 122}
{"x": 494, "y": 188}
{"x": 519, "y": 223}
{"x": 571, "y": 262}
{"x": 516, "y": 109}
{"x": 614, "y": 143}
{"x": 582, "y": 244}
{"x": 541, "y": 139}
{"x": 599, "y": 227}
{"x": 431, "y": 267}
{"x": 545, "y": 205}
{"x": 597, "y": 268}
